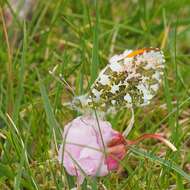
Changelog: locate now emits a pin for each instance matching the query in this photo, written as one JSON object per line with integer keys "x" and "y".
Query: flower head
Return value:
{"x": 90, "y": 148}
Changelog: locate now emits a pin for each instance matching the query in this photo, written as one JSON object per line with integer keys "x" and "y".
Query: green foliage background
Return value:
{"x": 77, "y": 37}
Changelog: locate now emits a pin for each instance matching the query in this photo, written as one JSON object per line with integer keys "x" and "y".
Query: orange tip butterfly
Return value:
{"x": 130, "y": 79}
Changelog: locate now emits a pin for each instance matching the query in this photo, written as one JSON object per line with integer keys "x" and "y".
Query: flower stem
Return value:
{"x": 152, "y": 136}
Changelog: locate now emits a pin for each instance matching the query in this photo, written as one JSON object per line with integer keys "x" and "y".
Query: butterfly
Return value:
{"x": 130, "y": 79}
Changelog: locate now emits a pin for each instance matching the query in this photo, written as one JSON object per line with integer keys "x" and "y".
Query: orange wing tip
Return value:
{"x": 141, "y": 51}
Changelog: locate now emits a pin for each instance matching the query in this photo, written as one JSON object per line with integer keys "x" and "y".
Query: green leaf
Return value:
{"x": 5, "y": 171}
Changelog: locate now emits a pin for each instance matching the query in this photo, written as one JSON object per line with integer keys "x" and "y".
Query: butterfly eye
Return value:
{"x": 77, "y": 102}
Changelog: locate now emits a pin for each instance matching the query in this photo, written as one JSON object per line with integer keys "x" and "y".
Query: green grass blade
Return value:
{"x": 161, "y": 161}
{"x": 95, "y": 59}
{"x": 20, "y": 88}
{"x": 52, "y": 122}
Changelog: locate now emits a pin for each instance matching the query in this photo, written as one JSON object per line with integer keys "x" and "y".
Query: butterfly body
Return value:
{"x": 130, "y": 79}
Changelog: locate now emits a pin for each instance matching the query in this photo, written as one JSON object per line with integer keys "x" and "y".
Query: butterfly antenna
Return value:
{"x": 68, "y": 87}
{"x": 61, "y": 79}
